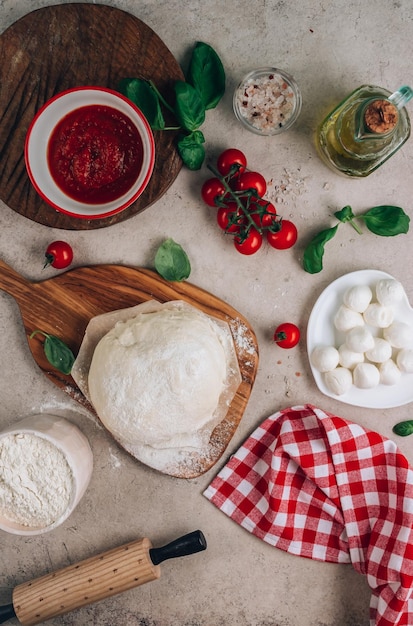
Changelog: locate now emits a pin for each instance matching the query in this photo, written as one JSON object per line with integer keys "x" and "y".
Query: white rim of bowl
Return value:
{"x": 146, "y": 167}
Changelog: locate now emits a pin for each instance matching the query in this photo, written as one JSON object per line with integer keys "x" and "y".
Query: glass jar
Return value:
{"x": 267, "y": 101}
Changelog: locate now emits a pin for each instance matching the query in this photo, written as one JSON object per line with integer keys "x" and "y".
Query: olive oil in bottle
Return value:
{"x": 365, "y": 130}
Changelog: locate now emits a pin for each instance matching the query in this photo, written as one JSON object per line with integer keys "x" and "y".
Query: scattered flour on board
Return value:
{"x": 36, "y": 481}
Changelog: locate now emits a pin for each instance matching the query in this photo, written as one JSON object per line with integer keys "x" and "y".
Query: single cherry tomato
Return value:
{"x": 251, "y": 180}
{"x": 232, "y": 162}
{"x": 283, "y": 238}
{"x": 263, "y": 213}
{"x": 229, "y": 218}
{"x": 211, "y": 189}
{"x": 251, "y": 244}
{"x": 59, "y": 255}
{"x": 287, "y": 335}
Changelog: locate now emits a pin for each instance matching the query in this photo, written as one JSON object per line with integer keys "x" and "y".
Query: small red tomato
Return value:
{"x": 59, "y": 255}
{"x": 251, "y": 244}
{"x": 263, "y": 213}
{"x": 230, "y": 217}
{"x": 251, "y": 180}
{"x": 231, "y": 162}
{"x": 283, "y": 238}
{"x": 287, "y": 335}
{"x": 211, "y": 189}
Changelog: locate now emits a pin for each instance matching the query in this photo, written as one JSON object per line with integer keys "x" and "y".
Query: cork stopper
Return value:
{"x": 381, "y": 116}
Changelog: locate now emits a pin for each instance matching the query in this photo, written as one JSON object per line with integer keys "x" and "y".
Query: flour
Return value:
{"x": 36, "y": 481}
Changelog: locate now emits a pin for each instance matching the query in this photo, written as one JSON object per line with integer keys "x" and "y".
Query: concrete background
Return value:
{"x": 330, "y": 47}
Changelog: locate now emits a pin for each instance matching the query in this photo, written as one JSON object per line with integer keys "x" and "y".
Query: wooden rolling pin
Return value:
{"x": 95, "y": 578}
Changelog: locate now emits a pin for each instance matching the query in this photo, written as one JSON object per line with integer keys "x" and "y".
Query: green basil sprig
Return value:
{"x": 172, "y": 262}
{"x": 386, "y": 221}
{"x": 57, "y": 352}
{"x": 403, "y": 428}
{"x": 202, "y": 90}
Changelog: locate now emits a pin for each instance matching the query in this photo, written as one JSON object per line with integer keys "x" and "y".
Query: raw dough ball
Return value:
{"x": 366, "y": 376}
{"x": 389, "y": 291}
{"x": 404, "y": 360}
{"x": 346, "y": 318}
{"x": 338, "y": 380}
{"x": 325, "y": 358}
{"x": 380, "y": 352}
{"x": 348, "y": 358}
{"x": 378, "y": 315}
{"x": 399, "y": 335}
{"x": 359, "y": 339}
{"x": 389, "y": 373}
{"x": 358, "y": 298}
{"x": 156, "y": 379}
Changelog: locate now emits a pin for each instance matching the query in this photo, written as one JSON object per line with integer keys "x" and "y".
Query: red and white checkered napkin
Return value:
{"x": 322, "y": 487}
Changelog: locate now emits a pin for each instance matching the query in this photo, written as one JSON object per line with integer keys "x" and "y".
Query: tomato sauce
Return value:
{"x": 95, "y": 154}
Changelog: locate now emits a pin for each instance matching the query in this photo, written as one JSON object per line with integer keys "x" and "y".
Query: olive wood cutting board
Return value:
{"x": 70, "y": 45}
{"x": 64, "y": 304}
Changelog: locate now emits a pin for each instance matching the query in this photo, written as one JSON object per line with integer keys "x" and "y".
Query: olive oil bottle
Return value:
{"x": 365, "y": 130}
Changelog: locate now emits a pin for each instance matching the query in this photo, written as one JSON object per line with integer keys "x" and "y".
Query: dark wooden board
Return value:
{"x": 64, "y": 46}
{"x": 63, "y": 306}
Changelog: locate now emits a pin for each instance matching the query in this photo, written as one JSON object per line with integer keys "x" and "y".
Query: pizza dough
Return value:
{"x": 160, "y": 377}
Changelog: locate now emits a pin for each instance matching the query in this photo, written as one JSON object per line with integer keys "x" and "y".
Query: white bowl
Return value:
{"x": 74, "y": 446}
{"x": 37, "y": 144}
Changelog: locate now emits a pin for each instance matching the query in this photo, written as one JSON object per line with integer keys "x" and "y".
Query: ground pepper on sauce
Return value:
{"x": 95, "y": 154}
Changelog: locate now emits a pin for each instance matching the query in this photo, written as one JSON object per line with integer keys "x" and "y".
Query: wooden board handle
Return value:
{"x": 88, "y": 581}
{"x": 13, "y": 283}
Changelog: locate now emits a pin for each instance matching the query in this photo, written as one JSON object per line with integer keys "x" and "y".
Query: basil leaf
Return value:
{"x": 171, "y": 261}
{"x": 345, "y": 215}
{"x": 189, "y": 108}
{"x": 206, "y": 73}
{"x": 403, "y": 428}
{"x": 386, "y": 221}
{"x": 313, "y": 254}
{"x": 56, "y": 352}
{"x": 140, "y": 92}
{"x": 191, "y": 150}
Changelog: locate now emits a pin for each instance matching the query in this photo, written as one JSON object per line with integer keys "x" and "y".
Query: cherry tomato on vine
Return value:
{"x": 251, "y": 180}
{"x": 226, "y": 213}
{"x": 251, "y": 244}
{"x": 59, "y": 254}
{"x": 285, "y": 237}
{"x": 287, "y": 335}
{"x": 263, "y": 213}
{"x": 212, "y": 188}
{"x": 231, "y": 161}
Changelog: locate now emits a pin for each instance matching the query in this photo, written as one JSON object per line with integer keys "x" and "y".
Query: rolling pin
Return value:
{"x": 95, "y": 578}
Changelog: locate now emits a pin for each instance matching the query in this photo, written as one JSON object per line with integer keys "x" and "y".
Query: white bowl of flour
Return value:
{"x": 45, "y": 467}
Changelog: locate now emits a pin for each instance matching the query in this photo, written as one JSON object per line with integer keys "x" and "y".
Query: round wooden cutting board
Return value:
{"x": 64, "y": 46}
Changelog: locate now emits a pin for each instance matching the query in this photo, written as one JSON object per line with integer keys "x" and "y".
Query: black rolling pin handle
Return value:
{"x": 6, "y": 612}
{"x": 188, "y": 544}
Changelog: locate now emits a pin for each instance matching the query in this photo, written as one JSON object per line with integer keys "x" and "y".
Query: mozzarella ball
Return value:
{"x": 399, "y": 335}
{"x": 358, "y": 298}
{"x": 389, "y": 373}
{"x": 359, "y": 339}
{"x": 366, "y": 376}
{"x": 404, "y": 360}
{"x": 378, "y": 315}
{"x": 348, "y": 358}
{"x": 324, "y": 358}
{"x": 389, "y": 291}
{"x": 380, "y": 352}
{"x": 339, "y": 380}
{"x": 346, "y": 318}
